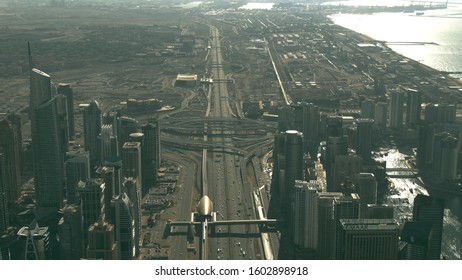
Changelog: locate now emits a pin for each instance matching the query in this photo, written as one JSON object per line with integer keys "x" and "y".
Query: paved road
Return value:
{"x": 227, "y": 189}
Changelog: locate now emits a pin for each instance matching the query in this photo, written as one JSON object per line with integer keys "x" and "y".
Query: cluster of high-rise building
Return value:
{"x": 87, "y": 201}
{"x": 335, "y": 215}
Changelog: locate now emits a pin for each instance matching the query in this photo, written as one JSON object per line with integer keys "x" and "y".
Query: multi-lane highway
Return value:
{"x": 229, "y": 193}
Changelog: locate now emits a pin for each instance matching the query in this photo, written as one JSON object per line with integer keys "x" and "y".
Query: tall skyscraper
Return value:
{"x": 326, "y": 225}
{"x": 66, "y": 90}
{"x": 334, "y": 126}
{"x": 440, "y": 113}
{"x": 293, "y": 165}
{"x": 125, "y": 224}
{"x": 131, "y": 161}
{"x": 4, "y": 207}
{"x": 364, "y": 239}
{"x": 417, "y": 236}
{"x": 108, "y": 144}
{"x": 277, "y": 180}
{"x": 305, "y": 225}
{"x": 367, "y": 188}
{"x": 10, "y": 145}
{"x": 285, "y": 118}
{"x": 381, "y": 115}
{"x": 134, "y": 193}
{"x": 91, "y": 196}
{"x": 306, "y": 120}
{"x": 396, "y": 109}
{"x": 335, "y": 146}
{"x": 413, "y": 108}
{"x": 449, "y": 158}
{"x": 368, "y": 109}
{"x": 426, "y": 132}
{"x": 48, "y": 157}
{"x": 345, "y": 207}
{"x": 115, "y": 166}
{"x": 77, "y": 168}
{"x": 131, "y": 158}
{"x": 445, "y": 156}
{"x": 70, "y": 232}
{"x": 345, "y": 167}
{"x": 151, "y": 155}
{"x": 364, "y": 138}
{"x": 16, "y": 120}
{"x": 430, "y": 209}
{"x": 108, "y": 176}
{"x": 126, "y": 126}
{"x": 101, "y": 241}
{"x": 91, "y": 129}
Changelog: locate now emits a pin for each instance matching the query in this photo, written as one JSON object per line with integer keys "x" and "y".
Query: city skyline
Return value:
{"x": 299, "y": 145}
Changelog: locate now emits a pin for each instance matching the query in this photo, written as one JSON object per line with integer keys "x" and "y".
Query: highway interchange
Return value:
{"x": 222, "y": 147}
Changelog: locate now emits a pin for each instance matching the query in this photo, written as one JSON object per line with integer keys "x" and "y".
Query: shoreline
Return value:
{"x": 368, "y": 39}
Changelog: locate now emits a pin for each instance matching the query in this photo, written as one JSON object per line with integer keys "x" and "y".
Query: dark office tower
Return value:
{"x": 153, "y": 158}
{"x": 416, "y": 235}
{"x": 426, "y": 132}
{"x": 277, "y": 180}
{"x": 367, "y": 189}
{"x": 368, "y": 109}
{"x": 449, "y": 156}
{"x": 101, "y": 241}
{"x": 345, "y": 207}
{"x": 125, "y": 224}
{"x": 4, "y": 207}
{"x": 381, "y": 115}
{"x": 91, "y": 195}
{"x": 365, "y": 239}
{"x": 444, "y": 148}
{"x": 430, "y": 209}
{"x": 146, "y": 165}
{"x": 91, "y": 129}
{"x": 108, "y": 175}
{"x": 108, "y": 144}
{"x": 345, "y": 167}
{"x": 77, "y": 168}
{"x": 306, "y": 120}
{"x": 63, "y": 123}
{"x": 116, "y": 166}
{"x": 15, "y": 120}
{"x": 364, "y": 138}
{"x": 383, "y": 211}
{"x": 335, "y": 146}
{"x": 66, "y": 90}
{"x": 305, "y": 225}
{"x": 71, "y": 232}
{"x": 413, "y": 108}
{"x": 396, "y": 109}
{"x": 9, "y": 144}
{"x": 48, "y": 157}
{"x": 326, "y": 225}
{"x": 134, "y": 193}
{"x": 126, "y": 126}
{"x": 285, "y": 118}
{"x": 293, "y": 165}
{"x": 131, "y": 161}
{"x": 112, "y": 117}
{"x": 334, "y": 126}
{"x": 440, "y": 113}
